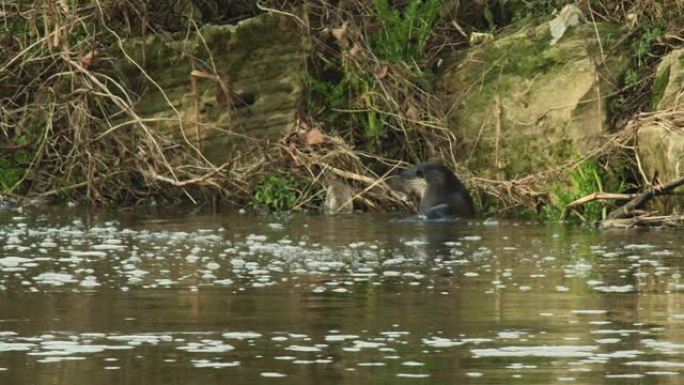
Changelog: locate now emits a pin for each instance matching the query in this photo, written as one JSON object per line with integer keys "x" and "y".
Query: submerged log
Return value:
{"x": 643, "y": 220}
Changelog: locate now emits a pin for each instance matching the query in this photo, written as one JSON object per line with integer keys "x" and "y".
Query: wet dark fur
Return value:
{"x": 441, "y": 193}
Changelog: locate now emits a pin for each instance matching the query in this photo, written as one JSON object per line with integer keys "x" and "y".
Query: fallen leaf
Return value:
{"x": 339, "y": 33}
{"x": 381, "y": 73}
{"x": 412, "y": 113}
{"x": 355, "y": 51}
{"x": 88, "y": 60}
{"x": 314, "y": 137}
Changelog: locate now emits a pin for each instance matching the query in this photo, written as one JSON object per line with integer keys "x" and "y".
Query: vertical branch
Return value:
{"x": 498, "y": 164}
{"x": 194, "y": 83}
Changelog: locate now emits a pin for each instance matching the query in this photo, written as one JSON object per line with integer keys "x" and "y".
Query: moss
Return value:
{"x": 262, "y": 60}
{"x": 661, "y": 82}
{"x": 523, "y": 154}
{"x": 538, "y": 130}
{"x": 522, "y": 55}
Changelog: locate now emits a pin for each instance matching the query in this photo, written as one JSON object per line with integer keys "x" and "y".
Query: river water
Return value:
{"x": 164, "y": 297}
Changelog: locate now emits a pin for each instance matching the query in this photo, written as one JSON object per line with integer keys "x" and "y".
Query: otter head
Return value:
{"x": 409, "y": 181}
{"x": 440, "y": 192}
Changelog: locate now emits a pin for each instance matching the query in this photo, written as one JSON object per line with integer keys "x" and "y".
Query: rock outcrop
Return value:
{"x": 529, "y": 100}
{"x": 661, "y": 137}
{"x": 226, "y": 88}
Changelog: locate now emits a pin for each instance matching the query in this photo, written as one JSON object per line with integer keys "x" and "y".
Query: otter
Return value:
{"x": 441, "y": 193}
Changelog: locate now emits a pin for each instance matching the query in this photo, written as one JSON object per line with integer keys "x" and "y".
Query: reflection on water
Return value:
{"x": 151, "y": 298}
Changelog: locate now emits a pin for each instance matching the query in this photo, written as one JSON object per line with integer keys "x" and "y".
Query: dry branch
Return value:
{"x": 593, "y": 197}
{"x": 641, "y": 199}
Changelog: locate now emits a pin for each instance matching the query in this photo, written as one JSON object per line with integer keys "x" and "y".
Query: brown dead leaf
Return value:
{"x": 88, "y": 59}
{"x": 412, "y": 113}
{"x": 355, "y": 51}
{"x": 340, "y": 33}
{"x": 381, "y": 72}
{"x": 303, "y": 126}
{"x": 314, "y": 137}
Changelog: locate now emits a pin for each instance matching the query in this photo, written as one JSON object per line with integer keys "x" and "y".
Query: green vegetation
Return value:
{"x": 499, "y": 14}
{"x": 13, "y": 164}
{"x": 627, "y": 101}
{"x": 352, "y": 90}
{"x": 404, "y": 34}
{"x": 9, "y": 176}
{"x": 631, "y": 78}
{"x": 659, "y": 86}
{"x": 644, "y": 45}
{"x": 278, "y": 192}
{"x": 527, "y": 10}
{"x": 587, "y": 178}
{"x": 619, "y": 102}
{"x": 373, "y": 97}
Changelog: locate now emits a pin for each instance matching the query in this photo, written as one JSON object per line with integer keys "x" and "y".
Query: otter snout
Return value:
{"x": 409, "y": 182}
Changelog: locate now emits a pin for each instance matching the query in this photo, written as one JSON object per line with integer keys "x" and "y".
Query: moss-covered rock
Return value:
{"x": 224, "y": 86}
{"x": 661, "y": 151}
{"x": 661, "y": 140}
{"x": 530, "y": 102}
{"x": 668, "y": 89}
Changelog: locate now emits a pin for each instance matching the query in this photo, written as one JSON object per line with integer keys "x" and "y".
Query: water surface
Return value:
{"x": 161, "y": 297}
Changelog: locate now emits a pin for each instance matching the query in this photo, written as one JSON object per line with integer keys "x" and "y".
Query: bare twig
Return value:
{"x": 625, "y": 210}
{"x": 593, "y": 197}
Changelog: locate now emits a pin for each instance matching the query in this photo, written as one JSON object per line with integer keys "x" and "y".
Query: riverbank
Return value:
{"x": 535, "y": 104}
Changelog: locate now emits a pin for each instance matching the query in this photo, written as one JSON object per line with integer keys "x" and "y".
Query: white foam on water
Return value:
{"x": 272, "y": 374}
{"x": 302, "y": 348}
{"x": 16, "y": 346}
{"x": 79, "y": 254}
{"x": 664, "y": 346}
{"x": 340, "y": 337}
{"x": 536, "y": 351}
{"x": 413, "y": 375}
{"x": 206, "y": 346}
{"x": 588, "y": 311}
{"x": 438, "y": 342}
{"x": 413, "y": 363}
{"x": 662, "y": 373}
{"x": 656, "y": 364}
{"x": 13, "y": 261}
{"x": 241, "y": 335}
{"x": 639, "y": 246}
{"x": 615, "y": 289}
{"x": 371, "y": 364}
{"x": 214, "y": 364}
{"x": 604, "y": 341}
{"x": 54, "y": 279}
